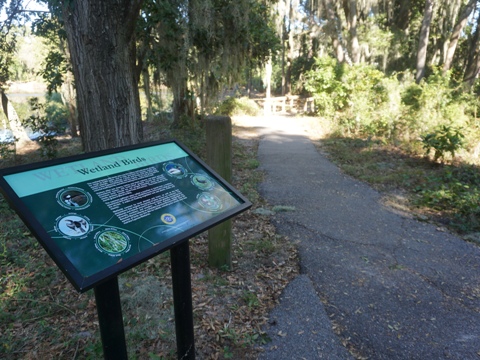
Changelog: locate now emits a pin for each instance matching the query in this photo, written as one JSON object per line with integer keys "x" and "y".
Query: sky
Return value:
{"x": 28, "y": 5}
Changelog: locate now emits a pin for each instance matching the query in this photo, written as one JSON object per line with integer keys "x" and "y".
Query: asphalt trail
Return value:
{"x": 374, "y": 284}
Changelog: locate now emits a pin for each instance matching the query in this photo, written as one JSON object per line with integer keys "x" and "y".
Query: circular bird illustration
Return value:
{"x": 74, "y": 198}
{"x": 175, "y": 170}
{"x": 202, "y": 182}
{"x": 73, "y": 226}
{"x": 209, "y": 202}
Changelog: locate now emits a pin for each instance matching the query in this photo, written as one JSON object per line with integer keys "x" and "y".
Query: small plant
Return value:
{"x": 251, "y": 299}
{"x": 445, "y": 140}
{"x": 227, "y": 353}
{"x": 42, "y": 129}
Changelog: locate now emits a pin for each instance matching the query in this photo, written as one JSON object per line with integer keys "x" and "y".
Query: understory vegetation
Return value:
{"x": 394, "y": 133}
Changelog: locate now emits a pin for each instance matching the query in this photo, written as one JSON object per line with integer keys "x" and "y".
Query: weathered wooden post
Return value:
{"x": 219, "y": 157}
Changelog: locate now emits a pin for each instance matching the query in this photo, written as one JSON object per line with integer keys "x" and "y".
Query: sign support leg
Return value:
{"x": 182, "y": 301}
{"x": 107, "y": 296}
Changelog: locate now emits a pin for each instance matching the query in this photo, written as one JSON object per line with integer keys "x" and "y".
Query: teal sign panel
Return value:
{"x": 102, "y": 213}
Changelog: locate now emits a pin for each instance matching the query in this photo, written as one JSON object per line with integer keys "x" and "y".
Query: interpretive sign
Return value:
{"x": 99, "y": 214}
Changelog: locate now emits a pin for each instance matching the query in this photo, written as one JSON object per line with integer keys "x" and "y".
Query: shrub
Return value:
{"x": 433, "y": 103}
{"x": 233, "y": 106}
{"x": 42, "y": 129}
{"x": 361, "y": 100}
{"x": 444, "y": 140}
{"x": 324, "y": 82}
{"x": 366, "y": 94}
{"x": 353, "y": 94}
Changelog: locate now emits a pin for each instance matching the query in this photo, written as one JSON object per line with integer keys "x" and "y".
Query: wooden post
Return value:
{"x": 219, "y": 157}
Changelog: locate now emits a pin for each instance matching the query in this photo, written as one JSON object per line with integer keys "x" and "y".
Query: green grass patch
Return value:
{"x": 454, "y": 191}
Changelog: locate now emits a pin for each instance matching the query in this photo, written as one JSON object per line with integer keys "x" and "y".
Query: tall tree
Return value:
{"x": 13, "y": 10}
{"x": 101, "y": 39}
{"x": 350, "y": 8}
{"x": 457, "y": 30}
{"x": 198, "y": 46}
{"x": 333, "y": 30}
{"x": 423, "y": 40}
{"x": 473, "y": 60}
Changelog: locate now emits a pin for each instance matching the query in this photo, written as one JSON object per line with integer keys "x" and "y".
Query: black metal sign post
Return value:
{"x": 110, "y": 319}
{"x": 107, "y": 297}
{"x": 182, "y": 300}
{"x": 103, "y": 213}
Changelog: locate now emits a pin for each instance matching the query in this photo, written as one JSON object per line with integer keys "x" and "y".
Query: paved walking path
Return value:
{"x": 374, "y": 284}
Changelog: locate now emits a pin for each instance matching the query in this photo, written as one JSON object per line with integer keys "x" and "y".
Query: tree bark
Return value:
{"x": 180, "y": 104}
{"x": 473, "y": 60}
{"x": 148, "y": 95}
{"x": 268, "y": 77}
{"x": 401, "y": 16}
{"x": 69, "y": 99}
{"x": 350, "y": 8}
{"x": 102, "y": 48}
{"x": 332, "y": 29}
{"x": 457, "y": 30}
{"x": 14, "y": 121}
{"x": 423, "y": 41}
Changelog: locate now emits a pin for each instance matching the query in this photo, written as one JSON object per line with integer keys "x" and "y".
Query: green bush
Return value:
{"x": 366, "y": 94}
{"x": 433, "y": 103}
{"x": 363, "y": 101}
{"x": 353, "y": 95}
{"x": 324, "y": 83}
{"x": 42, "y": 129}
{"x": 56, "y": 112}
{"x": 444, "y": 140}
{"x": 300, "y": 66}
{"x": 233, "y": 106}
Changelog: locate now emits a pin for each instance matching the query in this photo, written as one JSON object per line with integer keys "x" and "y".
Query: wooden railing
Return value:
{"x": 289, "y": 104}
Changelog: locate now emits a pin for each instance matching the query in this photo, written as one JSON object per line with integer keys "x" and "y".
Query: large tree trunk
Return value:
{"x": 268, "y": 77}
{"x": 69, "y": 98}
{"x": 350, "y": 8}
{"x": 473, "y": 60}
{"x": 102, "y": 49}
{"x": 13, "y": 120}
{"x": 332, "y": 29}
{"x": 286, "y": 33}
{"x": 457, "y": 30}
{"x": 180, "y": 104}
{"x": 423, "y": 41}
{"x": 293, "y": 6}
{"x": 148, "y": 95}
{"x": 401, "y": 14}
